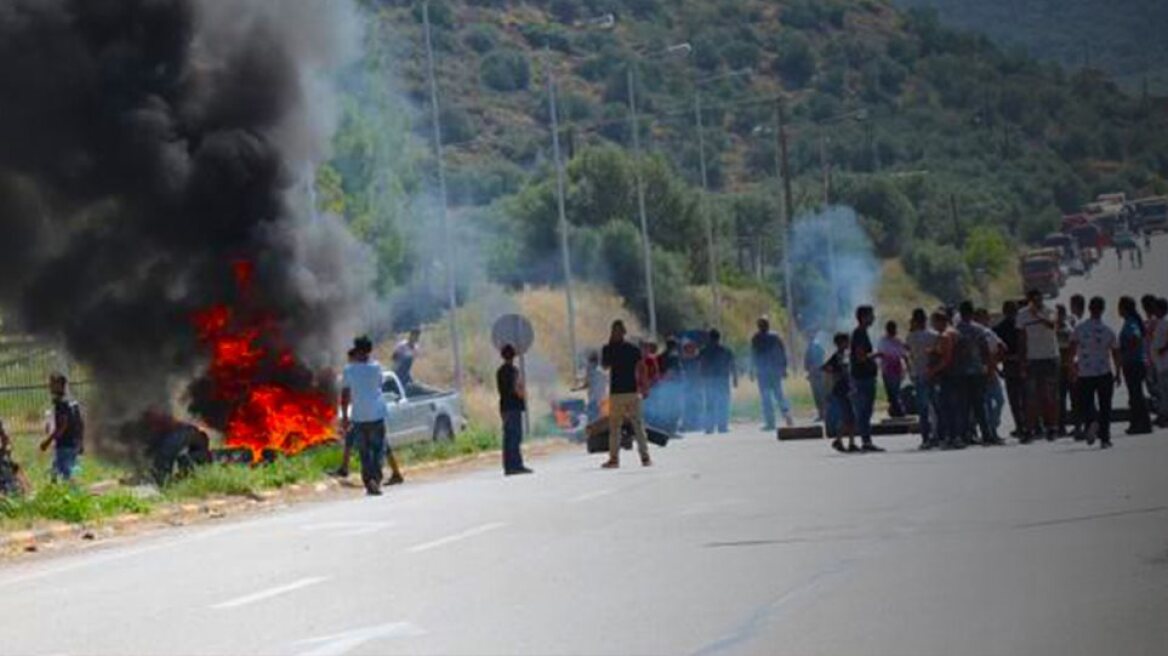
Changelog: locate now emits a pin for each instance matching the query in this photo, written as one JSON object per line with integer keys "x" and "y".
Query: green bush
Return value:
{"x": 481, "y": 38}
{"x": 939, "y": 270}
{"x": 795, "y": 60}
{"x": 505, "y": 70}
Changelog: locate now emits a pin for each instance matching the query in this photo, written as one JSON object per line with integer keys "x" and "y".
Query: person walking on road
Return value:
{"x": 596, "y": 384}
{"x": 1133, "y": 358}
{"x": 1068, "y": 400}
{"x": 840, "y": 418}
{"x": 863, "y": 360}
{"x": 718, "y": 373}
{"x": 1040, "y": 366}
{"x": 1094, "y": 350}
{"x": 921, "y": 341}
{"x": 512, "y": 404}
{"x": 363, "y": 410}
{"x": 768, "y": 357}
{"x": 627, "y": 386}
{"x": 893, "y": 356}
{"x": 1012, "y": 366}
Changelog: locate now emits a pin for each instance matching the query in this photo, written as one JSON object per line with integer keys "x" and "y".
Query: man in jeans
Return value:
{"x": 718, "y": 370}
{"x": 363, "y": 411}
{"x": 627, "y": 385}
{"x": 1094, "y": 350}
{"x": 864, "y": 370}
{"x": 972, "y": 360}
{"x": 1007, "y": 332}
{"x": 68, "y": 430}
{"x": 1038, "y": 340}
{"x": 769, "y": 359}
{"x": 921, "y": 341}
{"x": 512, "y": 404}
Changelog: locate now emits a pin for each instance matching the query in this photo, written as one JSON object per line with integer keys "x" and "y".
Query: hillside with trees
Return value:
{"x": 953, "y": 151}
{"x": 1124, "y": 38}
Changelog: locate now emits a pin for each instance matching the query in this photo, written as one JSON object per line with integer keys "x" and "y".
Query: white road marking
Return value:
{"x": 441, "y": 542}
{"x": 343, "y": 643}
{"x": 591, "y": 496}
{"x": 269, "y": 593}
{"x": 347, "y": 529}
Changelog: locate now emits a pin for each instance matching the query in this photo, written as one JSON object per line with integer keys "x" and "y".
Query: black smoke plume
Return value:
{"x": 145, "y": 145}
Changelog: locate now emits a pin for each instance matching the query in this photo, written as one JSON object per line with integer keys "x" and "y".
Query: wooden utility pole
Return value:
{"x": 783, "y": 173}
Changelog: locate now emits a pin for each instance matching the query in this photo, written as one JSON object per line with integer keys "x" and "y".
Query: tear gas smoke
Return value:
{"x": 145, "y": 146}
{"x": 833, "y": 268}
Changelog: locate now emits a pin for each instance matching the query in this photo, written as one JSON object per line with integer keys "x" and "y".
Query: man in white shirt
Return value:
{"x": 363, "y": 406}
{"x": 1094, "y": 352}
{"x": 1038, "y": 342}
{"x": 404, "y": 355}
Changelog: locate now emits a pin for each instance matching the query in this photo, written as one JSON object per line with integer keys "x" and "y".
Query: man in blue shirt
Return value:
{"x": 718, "y": 371}
{"x": 363, "y": 410}
{"x": 769, "y": 359}
{"x": 1135, "y": 368}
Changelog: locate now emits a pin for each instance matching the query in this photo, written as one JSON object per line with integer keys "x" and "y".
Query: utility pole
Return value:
{"x": 787, "y": 214}
{"x": 451, "y": 293}
{"x": 834, "y": 316}
{"x": 711, "y": 248}
{"x": 646, "y": 247}
{"x": 565, "y": 256}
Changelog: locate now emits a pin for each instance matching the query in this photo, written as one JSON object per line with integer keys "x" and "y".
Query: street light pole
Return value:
{"x": 646, "y": 247}
{"x": 565, "y": 256}
{"x": 711, "y": 247}
{"x": 783, "y": 175}
{"x": 451, "y": 294}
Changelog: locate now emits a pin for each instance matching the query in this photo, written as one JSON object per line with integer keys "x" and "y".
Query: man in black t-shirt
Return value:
{"x": 627, "y": 385}
{"x": 864, "y": 370}
{"x": 512, "y": 405}
{"x": 68, "y": 429}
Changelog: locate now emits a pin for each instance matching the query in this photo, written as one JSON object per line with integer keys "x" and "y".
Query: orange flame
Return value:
{"x": 248, "y": 365}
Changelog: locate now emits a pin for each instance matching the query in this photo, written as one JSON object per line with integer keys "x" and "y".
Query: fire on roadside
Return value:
{"x": 266, "y": 398}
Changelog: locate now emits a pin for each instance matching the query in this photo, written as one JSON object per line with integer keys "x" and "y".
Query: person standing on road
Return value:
{"x": 840, "y": 418}
{"x": 921, "y": 340}
{"x": 768, "y": 356}
{"x": 404, "y": 355}
{"x": 718, "y": 372}
{"x": 596, "y": 385}
{"x": 363, "y": 411}
{"x": 942, "y": 373}
{"x": 1094, "y": 349}
{"x": 68, "y": 434}
{"x": 1159, "y": 355}
{"x": 1149, "y": 304}
{"x": 1133, "y": 357}
{"x": 693, "y": 415}
{"x": 512, "y": 404}
{"x": 813, "y": 359}
{"x": 971, "y": 364}
{"x": 627, "y": 386}
{"x": 864, "y": 369}
{"x": 995, "y": 399}
{"x": 1007, "y": 331}
{"x": 1040, "y": 366}
{"x": 893, "y": 355}
{"x": 1068, "y": 400}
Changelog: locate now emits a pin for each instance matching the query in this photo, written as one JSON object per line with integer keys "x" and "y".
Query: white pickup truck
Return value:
{"x": 418, "y": 413}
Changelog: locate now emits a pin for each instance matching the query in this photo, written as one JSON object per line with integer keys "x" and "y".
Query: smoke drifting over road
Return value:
{"x": 145, "y": 146}
{"x": 834, "y": 268}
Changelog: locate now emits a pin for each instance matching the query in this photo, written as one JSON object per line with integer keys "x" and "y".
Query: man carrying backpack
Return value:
{"x": 68, "y": 433}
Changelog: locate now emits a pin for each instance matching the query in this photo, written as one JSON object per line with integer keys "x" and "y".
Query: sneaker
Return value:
{"x": 1105, "y": 445}
{"x": 646, "y": 461}
{"x": 768, "y": 428}
{"x": 852, "y": 448}
{"x": 396, "y": 479}
{"x": 994, "y": 441}
{"x": 1091, "y": 434}
{"x": 1051, "y": 435}
{"x": 518, "y": 472}
{"x": 838, "y": 446}
{"x": 1142, "y": 430}
{"x": 789, "y": 420}
{"x": 872, "y": 448}
{"x": 611, "y": 464}
{"x": 340, "y": 473}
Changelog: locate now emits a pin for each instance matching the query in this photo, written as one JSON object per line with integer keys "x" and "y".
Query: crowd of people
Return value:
{"x": 1055, "y": 368}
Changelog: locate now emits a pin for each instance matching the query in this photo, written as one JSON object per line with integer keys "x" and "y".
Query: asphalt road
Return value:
{"x": 731, "y": 544}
